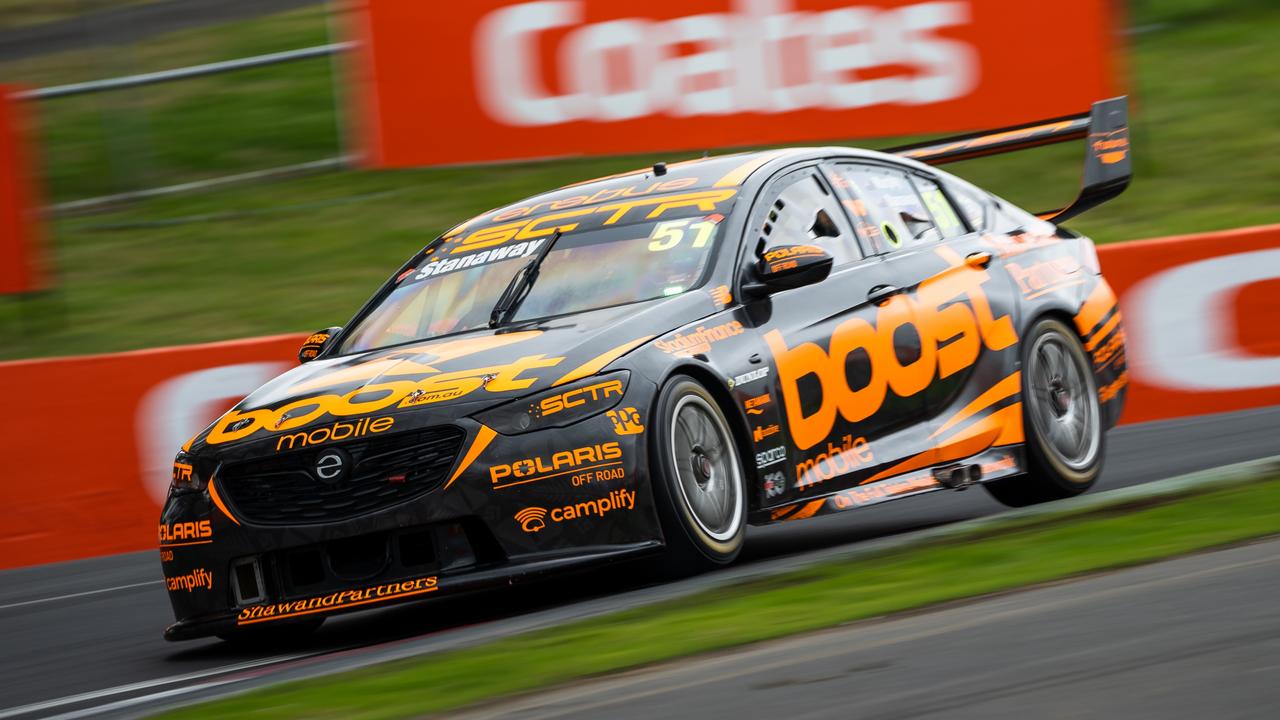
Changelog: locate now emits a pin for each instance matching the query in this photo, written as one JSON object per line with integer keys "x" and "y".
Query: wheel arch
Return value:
{"x": 1063, "y": 305}
{"x": 1061, "y": 311}
{"x": 737, "y": 421}
{"x": 1057, "y": 312}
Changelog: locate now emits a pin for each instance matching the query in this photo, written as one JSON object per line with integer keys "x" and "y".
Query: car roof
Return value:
{"x": 745, "y": 170}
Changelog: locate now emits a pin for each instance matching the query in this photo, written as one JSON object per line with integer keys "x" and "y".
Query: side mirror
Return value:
{"x": 316, "y": 343}
{"x": 790, "y": 266}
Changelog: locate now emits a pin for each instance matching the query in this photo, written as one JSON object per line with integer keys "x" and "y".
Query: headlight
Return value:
{"x": 558, "y": 407}
{"x": 185, "y": 476}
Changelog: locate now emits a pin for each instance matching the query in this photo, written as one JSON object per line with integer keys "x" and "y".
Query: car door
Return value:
{"x": 935, "y": 256}
{"x": 827, "y": 349}
{"x": 990, "y": 292}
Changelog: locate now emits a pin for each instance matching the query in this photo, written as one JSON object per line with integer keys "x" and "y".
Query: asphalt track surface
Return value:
{"x": 83, "y": 638}
{"x": 1191, "y": 638}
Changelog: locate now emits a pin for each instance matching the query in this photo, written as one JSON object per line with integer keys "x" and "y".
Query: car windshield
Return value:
{"x": 454, "y": 288}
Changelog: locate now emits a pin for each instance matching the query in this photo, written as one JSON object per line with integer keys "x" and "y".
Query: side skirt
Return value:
{"x": 994, "y": 463}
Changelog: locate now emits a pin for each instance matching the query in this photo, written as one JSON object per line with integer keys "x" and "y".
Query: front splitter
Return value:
{"x": 384, "y": 595}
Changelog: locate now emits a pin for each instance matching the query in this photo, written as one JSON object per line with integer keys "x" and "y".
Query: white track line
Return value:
{"x": 146, "y": 684}
{"x": 79, "y": 594}
{"x": 140, "y": 700}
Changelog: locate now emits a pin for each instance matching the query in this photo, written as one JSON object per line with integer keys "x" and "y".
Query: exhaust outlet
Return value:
{"x": 957, "y": 477}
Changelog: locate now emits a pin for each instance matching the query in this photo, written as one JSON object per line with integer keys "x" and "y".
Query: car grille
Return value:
{"x": 385, "y": 471}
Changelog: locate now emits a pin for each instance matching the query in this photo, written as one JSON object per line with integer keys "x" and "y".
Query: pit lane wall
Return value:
{"x": 88, "y": 442}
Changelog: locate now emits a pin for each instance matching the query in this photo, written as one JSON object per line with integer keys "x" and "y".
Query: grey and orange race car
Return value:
{"x": 649, "y": 363}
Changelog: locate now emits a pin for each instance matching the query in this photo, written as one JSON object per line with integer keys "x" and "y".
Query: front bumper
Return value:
{"x": 515, "y": 507}
{"x": 418, "y": 588}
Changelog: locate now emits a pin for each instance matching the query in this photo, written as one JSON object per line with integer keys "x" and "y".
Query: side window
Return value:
{"x": 1013, "y": 219}
{"x": 890, "y": 213}
{"x": 803, "y": 211}
{"x": 972, "y": 203}
{"x": 944, "y": 216}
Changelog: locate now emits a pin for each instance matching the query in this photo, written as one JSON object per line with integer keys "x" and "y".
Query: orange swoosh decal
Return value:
{"x": 597, "y": 363}
{"x": 483, "y": 438}
{"x": 993, "y": 395}
{"x": 1104, "y": 332}
{"x": 217, "y": 500}
{"x": 1097, "y": 305}
{"x": 808, "y": 510}
{"x": 738, "y": 175}
{"x": 996, "y": 427}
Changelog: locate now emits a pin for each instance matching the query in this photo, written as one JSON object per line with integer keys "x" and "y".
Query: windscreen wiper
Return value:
{"x": 519, "y": 287}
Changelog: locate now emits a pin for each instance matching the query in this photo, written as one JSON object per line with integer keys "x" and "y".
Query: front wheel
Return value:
{"x": 1062, "y": 419}
{"x": 698, "y": 479}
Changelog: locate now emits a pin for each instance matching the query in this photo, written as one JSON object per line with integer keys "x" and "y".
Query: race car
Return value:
{"x": 646, "y": 364}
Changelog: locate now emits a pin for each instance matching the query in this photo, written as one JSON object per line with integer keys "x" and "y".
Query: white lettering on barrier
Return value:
{"x": 629, "y": 68}
{"x": 178, "y": 408}
{"x": 1179, "y": 325}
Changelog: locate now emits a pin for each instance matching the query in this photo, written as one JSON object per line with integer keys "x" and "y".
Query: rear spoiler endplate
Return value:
{"x": 1107, "y": 164}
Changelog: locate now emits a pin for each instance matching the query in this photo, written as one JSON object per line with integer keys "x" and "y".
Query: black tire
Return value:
{"x": 697, "y": 478}
{"x": 285, "y": 633}
{"x": 1061, "y": 417}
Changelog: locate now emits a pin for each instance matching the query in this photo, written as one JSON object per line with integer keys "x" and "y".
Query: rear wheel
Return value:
{"x": 698, "y": 479}
{"x": 1061, "y": 417}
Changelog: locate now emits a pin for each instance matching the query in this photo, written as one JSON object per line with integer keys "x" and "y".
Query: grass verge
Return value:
{"x": 1059, "y": 546}
{"x": 153, "y": 135}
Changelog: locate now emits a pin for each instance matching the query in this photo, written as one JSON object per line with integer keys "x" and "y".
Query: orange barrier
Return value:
{"x": 1202, "y": 314}
{"x": 88, "y": 443}
{"x": 21, "y": 233}
{"x": 487, "y": 80}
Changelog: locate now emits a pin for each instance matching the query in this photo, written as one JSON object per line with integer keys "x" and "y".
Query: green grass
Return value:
{"x": 300, "y": 254}
{"x": 986, "y": 561}
{"x": 112, "y": 142}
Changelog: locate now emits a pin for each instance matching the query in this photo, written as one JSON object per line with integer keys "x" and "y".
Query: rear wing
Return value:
{"x": 1107, "y": 167}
